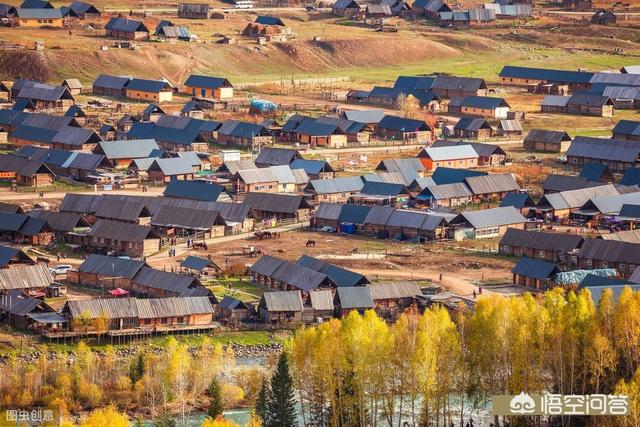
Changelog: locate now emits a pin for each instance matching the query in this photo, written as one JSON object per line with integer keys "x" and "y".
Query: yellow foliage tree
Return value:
{"x": 106, "y": 417}
{"x": 218, "y": 422}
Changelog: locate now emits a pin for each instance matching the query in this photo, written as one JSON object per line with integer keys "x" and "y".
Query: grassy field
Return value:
{"x": 240, "y": 289}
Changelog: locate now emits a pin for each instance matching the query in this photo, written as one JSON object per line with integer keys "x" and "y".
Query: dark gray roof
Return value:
{"x": 379, "y": 215}
{"x": 354, "y": 298}
{"x": 180, "y": 284}
{"x": 25, "y": 277}
{"x": 231, "y": 303}
{"x": 196, "y": 263}
{"x": 610, "y": 250}
{"x": 153, "y": 308}
{"x": 340, "y": 276}
{"x": 535, "y": 268}
{"x": 128, "y": 149}
{"x": 345, "y": 184}
{"x": 277, "y": 203}
{"x": 604, "y": 149}
{"x": 555, "y": 182}
{"x": 80, "y": 203}
{"x": 329, "y": 211}
{"x": 277, "y": 156}
{"x": 540, "y": 240}
{"x": 266, "y": 266}
{"x": 300, "y": 277}
{"x": 60, "y": 221}
{"x": 553, "y": 136}
{"x": 193, "y": 219}
{"x": 125, "y": 25}
{"x": 110, "y": 266}
{"x": 111, "y": 82}
{"x": 121, "y": 231}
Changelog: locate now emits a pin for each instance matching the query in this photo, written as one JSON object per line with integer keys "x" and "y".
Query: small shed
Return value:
{"x": 233, "y": 310}
{"x": 534, "y": 273}
{"x": 74, "y": 86}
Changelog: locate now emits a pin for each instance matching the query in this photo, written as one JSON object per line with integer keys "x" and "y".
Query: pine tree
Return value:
{"x": 136, "y": 370}
{"x": 262, "y": 400}
{"x": 281, "y": 407}
{"x": 215, "y": 400}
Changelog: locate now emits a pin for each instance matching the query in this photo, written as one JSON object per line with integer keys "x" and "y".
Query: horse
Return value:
{"x": 311, "y": 243}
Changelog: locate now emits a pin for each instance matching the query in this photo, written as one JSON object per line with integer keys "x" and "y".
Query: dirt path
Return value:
{"x": 456, "y": 284}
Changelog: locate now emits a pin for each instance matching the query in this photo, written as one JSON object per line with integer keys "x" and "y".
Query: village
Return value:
{"x": 206, "y": 169}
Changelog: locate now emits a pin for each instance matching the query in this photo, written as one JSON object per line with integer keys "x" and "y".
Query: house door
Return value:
{"x": 203, "y": 92}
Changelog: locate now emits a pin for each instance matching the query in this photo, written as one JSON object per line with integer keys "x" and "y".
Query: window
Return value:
{"x": 574, "y": 259}
{"x": 164, "y": 320}
{"x": 621, "y": 266}
{"x": 181, "y": 319}
{"x": 523, "y": 251}
{"x": 130, "y": 245}
{"x": 605, "y": 264}
{"x": 541, "y": 253}
{"x": 588, "y": 261}
{"x": 561, "y": 257}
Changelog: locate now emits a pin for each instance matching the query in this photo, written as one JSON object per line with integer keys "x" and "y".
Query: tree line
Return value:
{"x": 429, "y": 369}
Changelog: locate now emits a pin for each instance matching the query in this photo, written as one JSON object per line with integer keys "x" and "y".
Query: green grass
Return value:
{"x": 240, "y": 289}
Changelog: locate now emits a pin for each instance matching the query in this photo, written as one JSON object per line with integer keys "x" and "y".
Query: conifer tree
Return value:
{"x": 262, "y": 400}
{"x": 215, "y": 400}
{"x": 281, "y": 404}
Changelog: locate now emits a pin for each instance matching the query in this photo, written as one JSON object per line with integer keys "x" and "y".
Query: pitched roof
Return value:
{"x": 145, "y": 85}
{"x": 354, "y": 298}
{"x": 274, "y": 202}
{"x": 445, "y": 191}
{"x": 535, "y": 268}
{"x": 449, "y": 153}
{"x": 379, "y": 215}
{"x": 277, "y": 156}
{"x": 321, "y": 300}
{"x": 60, "y": 221}
{"x": 556, "y": 183}
{"x": 266, "y": 265}
{"x": 483, "y": 102}
{"x": 111, "y": 82}
{"x": 471, "y": 124}
{"x": 491, "y": 217}
{"x": 242, "y": 129}
{"x": 340, "y": 276}
{"x": 110, "y": 266}
{"x": 7, "y": 253}
{"x": 443, "y": 175}
{"x": 572, "y": 199}
{"x": 365, "y": 116}
{"x": 517, "y": 200}
{"x": 383, "y": 189}
{"x": 542, "y": 135}
{"x": 394, "y": 290}
{"x": 610, "y": 250}
{"x": 122, "y": 231}
{"x": 631, "y": 177}
{"x": 557, "y": 76}
{"x": 25, "y": 277}
{"x": 119, "y": 308}
{"x": 39, "y": 13}
{"x": 42, "y": 91}
{"x": 337, "y": 185}
{"x": 196, "y": 263}
{"x": 180, "y": 284}
{"x": 329, "y": 211}
{"x": 604, "y": 149}
{"x": 589, "y": 99}
{"x": 403, "y": 124}
{"x": 282, "y": 301}
{"x": 195, "y": 219}
{"x": 195, "y": 190}
{"x": 125, "y": 25}
{"x": 539, "y": 240}
{"x": 129, "y": 149}
{"x": 313, "y": 167}
{"x": 353, "y": 213}
{"x": 555, "y": 101}
{"x": 493, "y": 183}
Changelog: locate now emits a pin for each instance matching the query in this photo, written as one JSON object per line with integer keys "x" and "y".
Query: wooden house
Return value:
{"x": 551, "y": 247}
{"x": 547, "y": 140}
{"x": 194, "y": 11}
{"x": 472, "y": 128}
{"x": 281, "y": 307}
{"x": 110, "y": 85}
{"x": 458, "y": 156}
{"x": 84, "y": 10}
{"x": 590, "y": 104}
{"x": 207, "y": 87}
{"x": 392, "y": 299}
{"x": 27, "y": 279}
{"x": 122, "y": 238}
{"x": 346, "y": 8}
{"x": 107, "y": 272}
{"x": 618, "y": 155}
{"x": 33, "y": 18}
{"x": 403, "y": 129}
{"x": 278, "y": 207}
{"x": 25, "y": 312}
{"x": 74, "y": 86}
{"x": 534, "y": 273}
{"x": 233, "y": 310}
{"x": 164, "y": 314}
{"x": 127, "y": 29}
{"x": 357, "y": 299}
{"x": 44, "y": 96}
{"x": 487, "y": 223}
{"x": 601, "y": 253}
{"x": 482, "y": 106}
{"x": 244, "y": 134}
{"x": 25, "y": 172}
{"x": 149, "y": 90}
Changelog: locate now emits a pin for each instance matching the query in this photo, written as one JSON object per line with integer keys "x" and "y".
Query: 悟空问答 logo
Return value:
{"x": 522, "y": 404}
